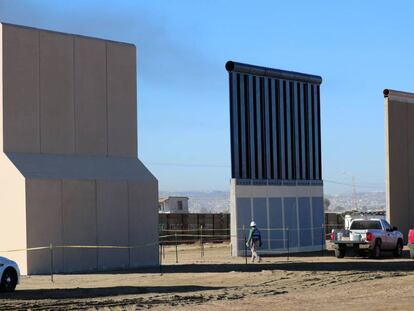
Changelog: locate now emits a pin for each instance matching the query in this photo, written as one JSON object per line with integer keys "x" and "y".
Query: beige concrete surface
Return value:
{"x": 79, "y": 224}
{"x": 57, "y": 108}
{"x": 44, "y": 224}
{"x": 142, "y": 223}
{"x": 90, "y": 96}
{"x": 122, "y": 109}
{"x": 111, "y": 223}
{"x": 88, "y": 85}
{"x": 68, "y": 139}
{"x": 21, "y": 90}
{"x": 79, "y": 167}
{"x": 13, "y": 213}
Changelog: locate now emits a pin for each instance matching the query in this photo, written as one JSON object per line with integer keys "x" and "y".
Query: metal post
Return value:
{"x": 323, "y": 240}
{"x": 245, "y": 245}
{"x": 160, "y": 252}
{"x": 201, "y": 242}
{"x": 163, "y": 250}
{"x": 288, "y": 242}
{"x": 51, "y": 262}
{"x": 176, "y": 248}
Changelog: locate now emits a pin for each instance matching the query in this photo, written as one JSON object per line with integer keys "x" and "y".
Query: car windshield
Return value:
{"x": 365, "y": 224}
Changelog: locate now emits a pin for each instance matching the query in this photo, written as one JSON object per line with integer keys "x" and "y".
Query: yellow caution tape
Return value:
{"x": 26, "y": 249}
{"x": 50, "y": 247}
{"x": 91, "y": 246}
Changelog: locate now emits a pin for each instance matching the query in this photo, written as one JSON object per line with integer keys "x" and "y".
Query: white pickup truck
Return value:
{"x": 367, "y": 235}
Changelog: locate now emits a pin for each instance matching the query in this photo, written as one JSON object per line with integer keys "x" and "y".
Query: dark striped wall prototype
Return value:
{"x": 275, "y": 124}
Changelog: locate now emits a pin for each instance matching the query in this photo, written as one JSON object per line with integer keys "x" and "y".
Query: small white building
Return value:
{"x": 173, "y": 205}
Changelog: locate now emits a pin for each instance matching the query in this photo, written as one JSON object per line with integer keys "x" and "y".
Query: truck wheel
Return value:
{"x": 376, "y": 251}
{"x": 340, "y": 252}
{"x": 399, "y": 249}
{"x": 8, "y": 280}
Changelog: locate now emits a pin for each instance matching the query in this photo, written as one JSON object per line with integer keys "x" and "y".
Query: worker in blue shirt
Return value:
{"x": 254, "y": 241}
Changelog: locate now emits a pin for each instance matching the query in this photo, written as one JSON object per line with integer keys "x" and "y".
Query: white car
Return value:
{"x": 9, "y": 275}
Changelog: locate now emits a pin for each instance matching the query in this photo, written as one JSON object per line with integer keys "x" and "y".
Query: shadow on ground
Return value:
{"x": 78, "y": 293}
{"x": 386, "y": 263}
{"x": 369, "y": 266}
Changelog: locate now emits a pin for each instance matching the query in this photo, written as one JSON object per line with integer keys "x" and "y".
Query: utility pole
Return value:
{"x": 354, "y": 196}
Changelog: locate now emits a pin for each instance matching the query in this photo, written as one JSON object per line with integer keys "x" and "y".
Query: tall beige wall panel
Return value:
{"x": 122, "y": 109}
{"x": 399, "y": 132}
{"x": 141, "y": 196}
{"x": 90, "y": 96}
{"x": 70, "y": 175}
{"x": 56, "y": 93}
{"x": 79, "y": 226}
{"x": 110, "y": 194}
{"x": 44, "y": 223}
{"x": 21, "y": 72}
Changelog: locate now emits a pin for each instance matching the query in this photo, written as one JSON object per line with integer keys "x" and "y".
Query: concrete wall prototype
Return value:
{"x": 276, "y": 158}
{"x": 68, "y": 153}
{"x": 399, "y": 141}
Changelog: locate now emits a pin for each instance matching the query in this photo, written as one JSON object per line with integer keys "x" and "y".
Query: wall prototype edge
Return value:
{"x": 12, "y": 197}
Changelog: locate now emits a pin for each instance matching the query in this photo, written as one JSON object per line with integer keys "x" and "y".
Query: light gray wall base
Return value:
{"x": 267, "y": 252}
{"x": 290, "y": 217}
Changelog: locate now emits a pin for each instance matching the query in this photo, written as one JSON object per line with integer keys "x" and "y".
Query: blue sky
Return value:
{"x": 358, "y": 47}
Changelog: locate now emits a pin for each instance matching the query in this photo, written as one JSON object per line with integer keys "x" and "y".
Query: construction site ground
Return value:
{"x": 217, "y": 281}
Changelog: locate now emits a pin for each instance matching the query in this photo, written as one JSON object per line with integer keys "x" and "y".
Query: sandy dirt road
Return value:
{"x": 219, "y": 282}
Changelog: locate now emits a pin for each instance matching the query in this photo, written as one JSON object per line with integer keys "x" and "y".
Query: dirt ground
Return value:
{"x": 221, "y": 282}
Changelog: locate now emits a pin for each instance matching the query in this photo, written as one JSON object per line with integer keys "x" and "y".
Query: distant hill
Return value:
{"x": 219, "y": 201}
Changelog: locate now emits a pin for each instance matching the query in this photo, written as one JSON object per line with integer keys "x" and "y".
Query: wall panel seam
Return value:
{"x": 96, "y": 223}
{"x": 106, "y": 100}
{"x": 39, "y": 94}
{"x": 75, "y": 141}
{"x": 62, "y": 224}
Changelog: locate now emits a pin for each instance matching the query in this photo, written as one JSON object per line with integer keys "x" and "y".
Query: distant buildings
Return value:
{"x": 173, "y": 204}
{"x": 367, "y": 201}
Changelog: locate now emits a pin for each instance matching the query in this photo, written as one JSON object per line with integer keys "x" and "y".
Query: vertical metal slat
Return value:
{"x": 274, "y": 129}
{"x": 310, "y": 131}
{"x": 243, "y": 126}
{"x": 259, "y": 144}
{"x": 296, "y": 130}
{"x": 288, "y": 136}
{"x": 252, "y": 130}
{"x": 282, "y": 151}
{"x": 268, "y": 130}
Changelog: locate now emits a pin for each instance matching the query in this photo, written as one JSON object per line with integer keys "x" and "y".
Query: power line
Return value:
{"x": 352, "y": 185}
{"x": 372, "y": 185}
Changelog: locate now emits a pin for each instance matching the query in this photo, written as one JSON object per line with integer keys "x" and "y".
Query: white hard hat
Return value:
{"x": 252, "y": 224}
